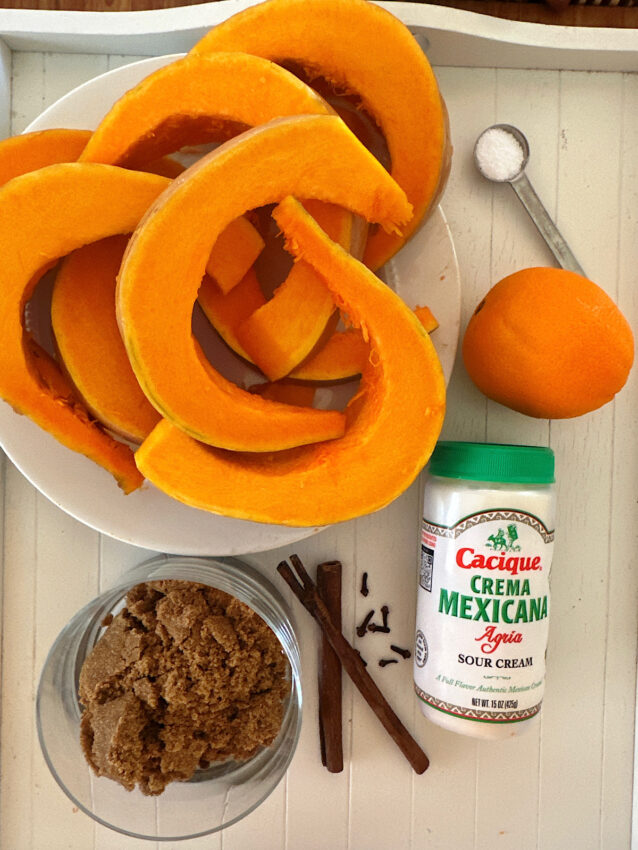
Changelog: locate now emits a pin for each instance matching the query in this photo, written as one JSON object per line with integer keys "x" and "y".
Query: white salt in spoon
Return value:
{"x": 501, "y": 154}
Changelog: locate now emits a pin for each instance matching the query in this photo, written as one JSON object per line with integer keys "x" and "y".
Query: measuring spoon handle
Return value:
{"x": 546, "y": 227}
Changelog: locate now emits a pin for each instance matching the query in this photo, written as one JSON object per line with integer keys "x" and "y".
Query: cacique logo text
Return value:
{"x": 469, "y": 559}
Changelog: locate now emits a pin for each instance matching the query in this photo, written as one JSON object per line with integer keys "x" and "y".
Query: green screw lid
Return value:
{"x": 493, "y": 462}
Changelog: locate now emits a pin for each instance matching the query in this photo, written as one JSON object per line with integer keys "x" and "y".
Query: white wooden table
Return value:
{"x": 570, "y": 783}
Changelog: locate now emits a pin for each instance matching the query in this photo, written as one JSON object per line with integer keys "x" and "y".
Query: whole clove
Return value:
{"x": 364, "y": 585}
{"x": 363, "y": 626}
{"x": 404, "y": 653}
{"x": 385, "y": 628}
{"x": 385, "y": 661}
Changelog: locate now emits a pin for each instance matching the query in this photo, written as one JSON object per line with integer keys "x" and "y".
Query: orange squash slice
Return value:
{"x": 361, "y": 49}
{"x": 227, "y": 311}
{"x": 199, "y": 99}
{"x": 195, "y": 100}
{"x": 427, "y": 318}
{"x": 281, "y": 333}
{"x": 343, "y": 355}
{"x": 234, "y": 253}
{"x": 393, "y": 423}
{"x": 89, "y": 341}
{"x": 30, "y": 151}
{"x": 79, "y": 426}
{"x": 88, "y": 338}
{"x": 45, "y": 215}
{"x": 311, "y": 156}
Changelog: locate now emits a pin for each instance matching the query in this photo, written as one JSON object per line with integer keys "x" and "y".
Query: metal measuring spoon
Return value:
{"x": 519, "y": 182}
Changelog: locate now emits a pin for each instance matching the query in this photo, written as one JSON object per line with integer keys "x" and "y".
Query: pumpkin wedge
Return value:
{"x": 80, "y": 429}
{"x": 343, "y": 355}
{"x": 45, "y": 215}
{"x": 310, "y": 156}
{"x": 88, "y": 338}
{"x": 208, "y": 98}
{"x": 227, "y": 311}
{"x": 427, "y": 318}
{"x": 195, "y": 100}
{"x": 279, "y": 335}
{"x": 30, "y": 151}
{"x": 393, "y": 424}
{"x": 234, "y": 253}
{"x": 89, "y": 342}
{"x": 364, "y": 50}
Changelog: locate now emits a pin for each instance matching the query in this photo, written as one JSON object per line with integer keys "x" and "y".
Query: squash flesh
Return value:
{"x": 89, "y": 341}
{"x": 310, "y": 156}
{"x": 226, "y": 311}
{"x": 234, "y": 253}
{"x": 87, "y": 336}
{"x": 393, "y": 423}
{"x": 362, "y": 49}
{"x": 30, "y": 151}
{"x": 281, "y": 333}
{"x": 343, "y": 355}
{"x": 156, "y": 116}
{"x": 204, "y": 98}
{"x": 45, "y": 215}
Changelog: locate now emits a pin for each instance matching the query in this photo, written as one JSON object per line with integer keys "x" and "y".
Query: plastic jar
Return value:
{"x": 483, "y": 588}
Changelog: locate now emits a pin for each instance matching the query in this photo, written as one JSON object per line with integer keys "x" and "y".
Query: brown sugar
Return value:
{"x": 183, "y": 676}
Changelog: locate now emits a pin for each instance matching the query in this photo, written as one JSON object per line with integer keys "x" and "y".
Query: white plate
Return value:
{"x": 425, "y": 272}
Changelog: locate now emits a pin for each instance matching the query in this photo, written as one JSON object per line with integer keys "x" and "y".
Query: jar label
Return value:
{"x": 482, "y": 616}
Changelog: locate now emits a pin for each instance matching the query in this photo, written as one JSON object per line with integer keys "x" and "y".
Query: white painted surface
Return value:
{"x": 570, "y": 783}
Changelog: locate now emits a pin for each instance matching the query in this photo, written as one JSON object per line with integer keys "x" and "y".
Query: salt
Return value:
{"x": 499, "y": 154}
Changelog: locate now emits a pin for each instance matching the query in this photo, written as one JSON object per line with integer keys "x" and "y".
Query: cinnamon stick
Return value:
{"x": 330, "y": 711}
{"x": 306, "y": 592}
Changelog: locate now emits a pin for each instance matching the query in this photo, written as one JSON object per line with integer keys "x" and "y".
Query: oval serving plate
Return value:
{"x": 424, "y": 272}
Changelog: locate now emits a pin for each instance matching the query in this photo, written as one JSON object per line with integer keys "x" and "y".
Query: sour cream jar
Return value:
{"x": 483, "y": 587}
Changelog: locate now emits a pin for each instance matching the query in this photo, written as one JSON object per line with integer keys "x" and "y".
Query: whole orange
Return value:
{"x": 548, "y": 343}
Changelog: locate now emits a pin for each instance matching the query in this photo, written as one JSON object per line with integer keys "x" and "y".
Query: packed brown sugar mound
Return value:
{"x": 183, "y": 676}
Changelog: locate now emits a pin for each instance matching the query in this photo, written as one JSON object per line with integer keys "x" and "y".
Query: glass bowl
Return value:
{"x": 213, "y": 798}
